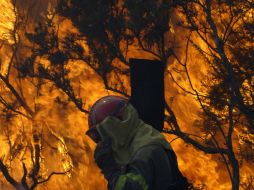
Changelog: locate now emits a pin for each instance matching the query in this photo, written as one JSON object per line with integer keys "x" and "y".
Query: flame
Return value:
{"x": 7, "y": 17}
{"x": 66, "y": 148}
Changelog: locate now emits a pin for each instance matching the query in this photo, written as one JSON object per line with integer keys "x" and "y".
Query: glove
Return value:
{"x": 103, "y": 156}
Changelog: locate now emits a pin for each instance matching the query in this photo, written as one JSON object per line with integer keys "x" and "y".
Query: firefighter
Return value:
{"x": 131, "y": 154}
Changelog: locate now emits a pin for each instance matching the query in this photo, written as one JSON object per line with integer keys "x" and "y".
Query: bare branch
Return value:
{"x": 16, "y": 94}
{"x": 8, "y": 106}
{"x": 187, "y": 139}
{"x": 52, "y": 174}
{"x": 7, "y": 175}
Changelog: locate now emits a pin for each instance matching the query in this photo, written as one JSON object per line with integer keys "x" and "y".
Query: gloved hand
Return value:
{"x": 103, "y": 156}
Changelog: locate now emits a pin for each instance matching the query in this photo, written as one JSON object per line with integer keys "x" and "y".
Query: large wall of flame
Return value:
{"x": 70, "y": 124}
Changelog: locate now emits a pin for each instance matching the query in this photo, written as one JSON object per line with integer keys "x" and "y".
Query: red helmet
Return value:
{"x": 102, "y": 108}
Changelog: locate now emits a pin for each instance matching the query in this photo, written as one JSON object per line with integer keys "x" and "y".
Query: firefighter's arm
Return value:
{"x": 138, "y": 174}
{"x": 105, "y": 161}
{"x": 137, "y": 177}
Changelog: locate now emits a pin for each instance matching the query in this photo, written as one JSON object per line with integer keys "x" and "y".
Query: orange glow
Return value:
{"x": 65, "y": 148}
{"x": 7, "y": 17}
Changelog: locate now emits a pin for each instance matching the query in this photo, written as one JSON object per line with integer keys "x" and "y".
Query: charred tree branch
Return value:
{"x": 52, "y": 174}
{"x": 16, "y": 94}
{"x": 7, "y": 175}
{"x": 8, "y": 106}
{"x": 187, "y": 139}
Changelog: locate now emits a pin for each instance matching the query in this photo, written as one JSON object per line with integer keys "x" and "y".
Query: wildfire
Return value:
{"x": 66, "y": 149}
{"x": 7, "y": 17}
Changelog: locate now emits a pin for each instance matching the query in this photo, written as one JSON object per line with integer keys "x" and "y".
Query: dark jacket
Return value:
{"x": 148, "y": 170}
{"x": 146, "y": 159}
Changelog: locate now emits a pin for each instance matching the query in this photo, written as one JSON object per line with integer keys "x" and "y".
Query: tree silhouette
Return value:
{"x": 219, "y": 32}
{"x": 24, "y": 144}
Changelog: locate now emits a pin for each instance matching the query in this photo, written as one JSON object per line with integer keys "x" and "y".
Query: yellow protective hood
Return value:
{"x": 129, "y": 134}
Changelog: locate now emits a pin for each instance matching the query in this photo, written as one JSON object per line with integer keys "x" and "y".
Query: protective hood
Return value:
{"x": 129, "y": 134}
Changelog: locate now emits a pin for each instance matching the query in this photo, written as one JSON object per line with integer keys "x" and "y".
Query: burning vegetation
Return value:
{"x": 58, "y": 57}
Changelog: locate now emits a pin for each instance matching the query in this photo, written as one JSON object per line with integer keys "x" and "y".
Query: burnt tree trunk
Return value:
{"x": 147, "y": 91}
